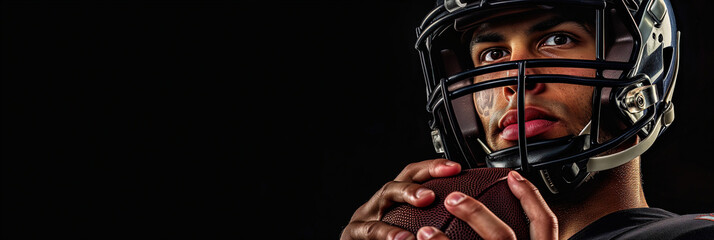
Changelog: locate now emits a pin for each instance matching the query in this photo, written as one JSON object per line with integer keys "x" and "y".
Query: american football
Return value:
{"x": 487, "y": 185}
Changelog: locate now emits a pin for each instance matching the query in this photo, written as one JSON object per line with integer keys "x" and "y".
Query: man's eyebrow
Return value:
{"x": 552, "y": 22}
{"x": 487, "y": 37}
{"x": 538, "y": 27}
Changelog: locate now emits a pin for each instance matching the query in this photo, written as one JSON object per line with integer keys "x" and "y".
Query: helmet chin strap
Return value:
{"x": 570, "y": 176}
{"x": 614, "y": 160}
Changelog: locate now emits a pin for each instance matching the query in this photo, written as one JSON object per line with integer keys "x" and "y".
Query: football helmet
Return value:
{"x": 634, "y": 73}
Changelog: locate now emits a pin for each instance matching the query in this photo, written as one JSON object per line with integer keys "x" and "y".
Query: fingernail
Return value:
{"x": 426, "y": 233}
{"x": 455, "y": 198}
{"x": 422, "y": 192}
{"x": 517, "y": 176}
{"x": 450, "y": 163}
{"x": 403, "y": 235}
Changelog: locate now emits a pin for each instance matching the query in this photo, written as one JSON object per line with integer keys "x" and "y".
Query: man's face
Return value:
{"x": 552, "y": 110}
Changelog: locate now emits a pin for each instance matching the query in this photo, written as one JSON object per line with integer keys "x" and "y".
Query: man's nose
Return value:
{"x": 531, "y": 88}
{"x": 521, "y": 52}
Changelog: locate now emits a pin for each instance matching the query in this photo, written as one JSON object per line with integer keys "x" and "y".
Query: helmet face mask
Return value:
{"x": 508, "y": 113}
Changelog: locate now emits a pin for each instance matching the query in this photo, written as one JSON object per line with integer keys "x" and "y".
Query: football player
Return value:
{"x": 568, "y": 94}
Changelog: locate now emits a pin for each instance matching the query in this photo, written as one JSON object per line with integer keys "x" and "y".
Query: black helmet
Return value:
{"x": 634, "y": 73}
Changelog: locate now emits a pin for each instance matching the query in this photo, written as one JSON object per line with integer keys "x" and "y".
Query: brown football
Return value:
{"x": 488, "y": 185}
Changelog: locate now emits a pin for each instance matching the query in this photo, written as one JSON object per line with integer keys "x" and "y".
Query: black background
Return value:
{"x": 224, "y": 119}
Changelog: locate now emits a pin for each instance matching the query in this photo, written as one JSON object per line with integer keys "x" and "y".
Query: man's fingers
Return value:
{"x": 428, "y": 169}
{"x": 374, "y": 230}
{"x": 430, "y": 233}
{"x": 365, "y": 222}
{"x": 411, "y": 193}
{"x": 544, "y": 224}
{"x": 477, "y": 215}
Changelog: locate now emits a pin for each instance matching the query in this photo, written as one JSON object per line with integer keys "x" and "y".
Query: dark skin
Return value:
{"x": 526, "y": 37}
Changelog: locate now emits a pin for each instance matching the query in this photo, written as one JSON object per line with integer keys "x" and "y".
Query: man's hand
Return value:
{"x": 365, "y": 222}
{"x": 544, "y": 224}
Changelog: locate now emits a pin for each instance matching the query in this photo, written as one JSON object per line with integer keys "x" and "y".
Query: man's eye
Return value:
{"x": 557, "y": 39}
{"x": 493, "y": 55}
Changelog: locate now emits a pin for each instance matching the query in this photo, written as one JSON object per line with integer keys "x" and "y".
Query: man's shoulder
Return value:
{"x": 690, "y": 226}
{"x": 649, "y": 223}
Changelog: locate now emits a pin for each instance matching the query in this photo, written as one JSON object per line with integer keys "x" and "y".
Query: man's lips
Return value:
{"x": 537, "y": 122}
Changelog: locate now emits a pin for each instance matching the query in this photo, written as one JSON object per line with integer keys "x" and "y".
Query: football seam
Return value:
{"x": 490, "y": 186}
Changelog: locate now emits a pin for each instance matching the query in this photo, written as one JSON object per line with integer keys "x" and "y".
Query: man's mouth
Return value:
{"x": 537, "y": 122}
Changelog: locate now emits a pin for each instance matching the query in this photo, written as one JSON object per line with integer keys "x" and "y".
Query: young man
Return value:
{"x": 567, "y": 94}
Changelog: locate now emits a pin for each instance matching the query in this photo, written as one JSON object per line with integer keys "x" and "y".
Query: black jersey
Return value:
{"x": 649, "y": 223}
